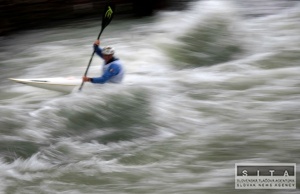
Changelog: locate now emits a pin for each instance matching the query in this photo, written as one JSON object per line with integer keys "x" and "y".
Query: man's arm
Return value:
{"x": 112, "y": 71}
{"x": 98, "y": 50}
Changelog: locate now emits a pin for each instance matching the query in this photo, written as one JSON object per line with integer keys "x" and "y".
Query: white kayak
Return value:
{"x": 59, "y": 84}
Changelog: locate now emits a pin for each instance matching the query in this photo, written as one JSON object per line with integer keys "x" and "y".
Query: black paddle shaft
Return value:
{"x": 106, "y": 19}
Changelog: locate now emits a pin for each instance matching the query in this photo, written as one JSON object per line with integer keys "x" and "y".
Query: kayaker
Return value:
{"x": 113, "y": 71}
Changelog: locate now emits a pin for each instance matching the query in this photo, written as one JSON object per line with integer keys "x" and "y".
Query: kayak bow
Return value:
{"x": 59, "y": 84}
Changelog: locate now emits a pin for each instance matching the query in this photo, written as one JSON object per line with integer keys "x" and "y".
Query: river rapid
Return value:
{"x": 205, "y": 88}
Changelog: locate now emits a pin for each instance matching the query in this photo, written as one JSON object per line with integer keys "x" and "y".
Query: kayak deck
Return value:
{"x": 59, "y": 84}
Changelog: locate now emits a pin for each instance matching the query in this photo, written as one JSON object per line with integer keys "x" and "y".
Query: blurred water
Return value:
{"x": 205, "y": 88}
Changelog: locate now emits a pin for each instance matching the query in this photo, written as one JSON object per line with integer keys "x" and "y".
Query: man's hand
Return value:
{"x": 86, "y": 79}
{"x": 97, "y": 42}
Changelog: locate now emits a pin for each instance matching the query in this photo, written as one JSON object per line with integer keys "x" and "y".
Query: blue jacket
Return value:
{"x": 112, "y": 71}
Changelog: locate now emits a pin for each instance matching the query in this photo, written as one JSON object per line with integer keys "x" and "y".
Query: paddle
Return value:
{"x": 106, "y": 19}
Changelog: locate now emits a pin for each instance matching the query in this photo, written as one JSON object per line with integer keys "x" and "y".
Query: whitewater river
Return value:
{"x": 205, "y": 88}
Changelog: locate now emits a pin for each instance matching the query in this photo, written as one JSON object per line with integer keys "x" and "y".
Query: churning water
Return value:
{"x": 205, "y": 88}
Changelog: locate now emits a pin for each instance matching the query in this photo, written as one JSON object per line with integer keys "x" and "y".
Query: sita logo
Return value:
{"x": 271, "y": 173}
{"x": 265, "y": 170}
{"x": 109, "y": 12}
{"x": 265, "y": 176}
